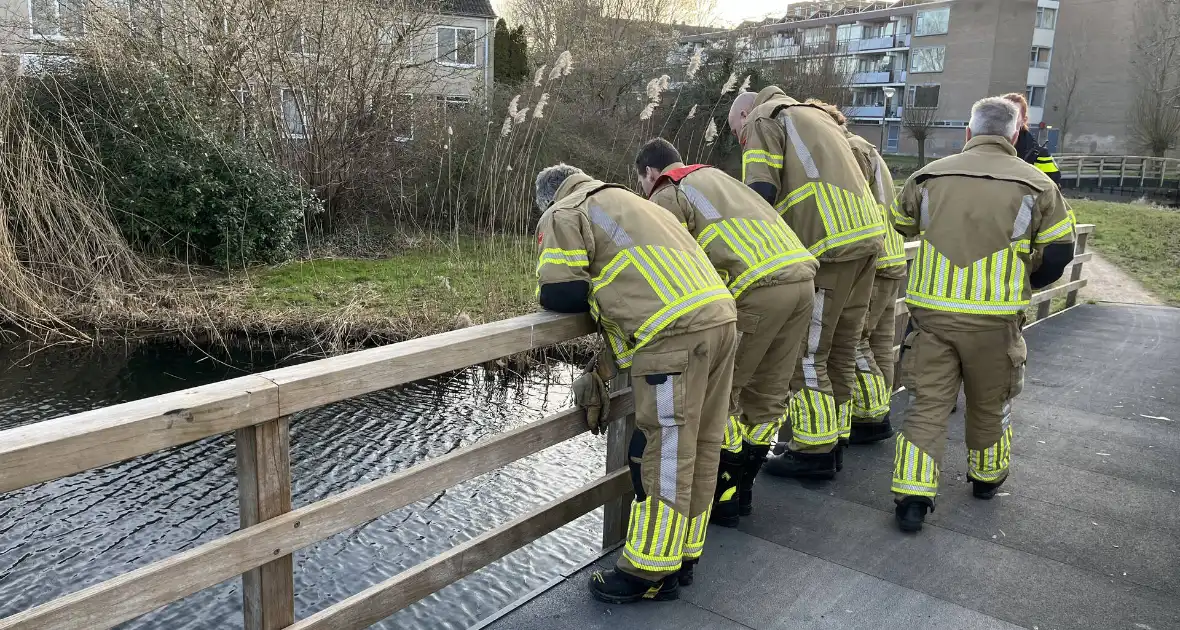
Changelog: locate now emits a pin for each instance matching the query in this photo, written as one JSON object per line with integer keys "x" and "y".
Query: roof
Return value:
{"x": 478, "y": 8}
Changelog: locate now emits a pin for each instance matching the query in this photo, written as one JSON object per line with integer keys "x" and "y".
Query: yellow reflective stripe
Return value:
{"x": 767, "y": 267}
{"x": 664, "y": 261}
{"x": 700, "y": 280}
{"x": 826, "y": 209}
{"x": 796, "y": 196}
{"x": 678, "y": 265}
{"x": 894, "y": 250}
{"x": 1046, "y": 164}
{"x": 765, "y": 433}
{"x": 1059, "y": 229}
{"x": 707, "y": 236}
{"x": 814, "y": 419}
{"x": 979, "y": 280}
{"x": 899, "y": 218}
{"x": 674, "y": 311}
{"x": 645, "y": 268}
{"x": 870, "y": 399}
{"x": 694, "y": 542}
{"x": 732, "y": 439}
{"x": 660, "y": 550}
{"x": 758, "y": 156}
{"x": 991, "y": 464}
{"x": 760, "y": 246}
{"x": 914, "y": 472}
{"x": 941, "y": 303}
{"x": 735, "y": 245}
{"x": 847, "y": 238}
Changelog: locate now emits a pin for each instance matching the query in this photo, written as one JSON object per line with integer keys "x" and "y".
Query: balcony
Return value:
{"x": 871, "y": 111}
{"x": 876, "y": 43}
{"x": 871, "y": 77}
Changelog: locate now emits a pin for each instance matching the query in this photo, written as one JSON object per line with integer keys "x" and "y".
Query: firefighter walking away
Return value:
{"x": 992, "y": 229}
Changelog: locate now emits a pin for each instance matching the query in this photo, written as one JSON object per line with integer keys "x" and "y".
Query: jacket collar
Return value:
{"x": 989, "y": 144}
{"x": 572, "y": 182}
{"x": 772, "y": 92}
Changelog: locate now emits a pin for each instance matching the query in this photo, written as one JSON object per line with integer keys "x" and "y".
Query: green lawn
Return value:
{"x": 430, "y": 284}
{"x": 1142, "y": 240}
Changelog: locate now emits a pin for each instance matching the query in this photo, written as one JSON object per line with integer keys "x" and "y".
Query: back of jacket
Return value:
{"x": 745, "y": 239}
{"x": 891, "y": 264}
{"x": 648, "y": 277}
{"x": 984, "y": 217}
{"x": 821, "y": 191}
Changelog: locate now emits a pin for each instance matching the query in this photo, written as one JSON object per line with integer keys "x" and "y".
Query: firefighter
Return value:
{"x": 1027, "y": 147}
{"x": 992, "y": 229}
{"x": 874, "y": 354}
{"x": 667, "y": 316}
{"x": 797, "y": 158}
{"x": 769, "y": 272}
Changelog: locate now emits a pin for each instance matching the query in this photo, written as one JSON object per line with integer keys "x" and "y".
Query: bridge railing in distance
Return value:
{"x": 256, "y": 409}
{"x": 1119, "y": 170}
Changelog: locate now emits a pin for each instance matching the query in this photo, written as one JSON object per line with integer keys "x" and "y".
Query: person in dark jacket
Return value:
{"x": 1027, "y": 147}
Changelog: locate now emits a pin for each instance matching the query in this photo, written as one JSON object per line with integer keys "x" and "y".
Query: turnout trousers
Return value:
{"x": 874, "y": 354}
{"x": 682, "y": 387}
{"x": 988, "y": 360}
{"x": 820, "y": 409}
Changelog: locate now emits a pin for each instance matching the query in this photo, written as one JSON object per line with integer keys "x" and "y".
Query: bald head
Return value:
{"x": 743, "y": 104}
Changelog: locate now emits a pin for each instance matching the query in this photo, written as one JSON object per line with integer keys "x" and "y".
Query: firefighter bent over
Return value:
{"x": 993, "y": 228}
{"x": 769, "y": 272}
{"x": 668, "y": 317}
{"x": 874, "y": 352}
{"x": 797, "y": 158}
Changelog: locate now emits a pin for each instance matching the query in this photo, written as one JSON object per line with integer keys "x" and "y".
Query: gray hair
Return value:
{"x": 994, "y": 116}
{"x": 549, "y": 180}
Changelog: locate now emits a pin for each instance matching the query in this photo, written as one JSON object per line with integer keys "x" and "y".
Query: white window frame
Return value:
{"x": 411, "y": 136}
{"x": 911, "y": 96}
{"x": 388, "y": 34}
{"x": 57, "y": 34}
{"x": 1040, "y": 21}
{"x": 1044, "y": 65}
{"x": 915, "y": 57}
{"x": 918, "y": 22}
{"x": 1031, "y": 90}
{"x": 300, "y": 109}
{"x": 438, "y": 53}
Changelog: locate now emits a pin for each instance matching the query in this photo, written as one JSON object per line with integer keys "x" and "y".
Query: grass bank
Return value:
{"x": 1142, "y": 240}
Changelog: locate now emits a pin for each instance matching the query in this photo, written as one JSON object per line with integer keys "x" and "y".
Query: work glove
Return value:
{"x": 591, "y": 393}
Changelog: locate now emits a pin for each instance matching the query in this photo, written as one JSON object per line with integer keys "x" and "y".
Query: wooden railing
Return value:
{"x": 1122, "y": 171}
{"x": 256, "y": 408}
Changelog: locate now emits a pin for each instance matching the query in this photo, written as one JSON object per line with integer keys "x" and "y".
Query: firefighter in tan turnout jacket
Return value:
{"x": 874, "y": 351}
{"x": 769, "y": 272}
{"x": 993, "y": 228}
{"x": 797, "y": 158}
{"x": 668, "y": 317}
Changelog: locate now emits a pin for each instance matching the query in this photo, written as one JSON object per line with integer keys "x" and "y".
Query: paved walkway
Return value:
{"x": 1086, "y": 535}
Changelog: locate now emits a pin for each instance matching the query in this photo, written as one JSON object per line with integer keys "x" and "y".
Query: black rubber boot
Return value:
{"x": 617, "y": 587}
{"x": 985, "y": 489}
{"x": 685, "y": 575}
{"x": 841, "y": 444}
{"x": 798, "y": 465}
{"x": 725, "y": 497}
{"x": 870, "y": 432}
{"x": 755, "y": 458}
{"x": 911, "y": 512}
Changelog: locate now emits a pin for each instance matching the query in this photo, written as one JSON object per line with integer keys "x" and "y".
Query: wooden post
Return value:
{"x": 1143, "y": 162}
{"x": 1101, "y": 167}
{"x": 1071, "y": 298}
{"x": 264, "y": 492}
{"x": 1122, "y": 171}
{"x": 617, "y": 512}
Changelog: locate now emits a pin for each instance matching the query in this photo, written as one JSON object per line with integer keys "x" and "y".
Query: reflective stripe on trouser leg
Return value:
{"x": 914, "y": 472}
{"x": 669, "y": 439}
{"x": 844, "y": 420}
{"x": 870, "y": 397}
{"x": 991, "y": 464}
{"x": 814, "y": 420}
{"x": 694, "y": 542}
{"x": 763, "y": 434}
{"x": 732, "y": 440}
{"x": 655, "y": 539}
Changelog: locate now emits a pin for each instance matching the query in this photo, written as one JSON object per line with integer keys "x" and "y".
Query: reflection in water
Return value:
{"x": 64, "y": 535}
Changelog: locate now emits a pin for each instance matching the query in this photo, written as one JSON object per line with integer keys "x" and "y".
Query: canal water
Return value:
{"x": 62, "y": 536}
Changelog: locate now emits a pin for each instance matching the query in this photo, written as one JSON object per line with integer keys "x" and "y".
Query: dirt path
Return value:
{"x": 1108, "y": 283}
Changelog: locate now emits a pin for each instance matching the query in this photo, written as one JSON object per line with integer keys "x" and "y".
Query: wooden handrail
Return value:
{"x": 257, "y": 407}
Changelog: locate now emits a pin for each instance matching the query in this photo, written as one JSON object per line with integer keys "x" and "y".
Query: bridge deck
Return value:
{"x": 1088, "y": 536}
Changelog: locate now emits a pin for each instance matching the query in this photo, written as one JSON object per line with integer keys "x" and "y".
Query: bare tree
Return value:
{"x": 1154, "y": 122}
{"x": 919, "y": 123}
{"x": 1065, "y": 83}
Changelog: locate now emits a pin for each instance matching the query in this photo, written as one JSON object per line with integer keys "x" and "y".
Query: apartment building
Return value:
{"x": 447, "y": 56}
{"x": 935, "y": 57}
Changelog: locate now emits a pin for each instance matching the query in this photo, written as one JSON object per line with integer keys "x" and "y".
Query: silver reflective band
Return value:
{"x": 669, "y": 438}
{"x": 700, "y": 202}
{"x": 801, "y": 150}
{"x": 810, "y": 377}
{"x": 925, "y": 209}
{"x": 608, "y": 225}
{"x": 1023, "y": 217}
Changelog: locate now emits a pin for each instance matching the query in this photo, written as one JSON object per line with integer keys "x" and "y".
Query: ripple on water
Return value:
{"x": 67, "y": 534}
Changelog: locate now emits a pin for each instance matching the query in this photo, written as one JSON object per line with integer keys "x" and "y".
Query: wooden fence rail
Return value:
{"x": 1119, "y": 170}
{"x": 257, "y": 409}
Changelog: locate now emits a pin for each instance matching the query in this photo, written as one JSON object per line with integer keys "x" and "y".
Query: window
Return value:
{"x": 928, "y": 59}
{"x": 456, "y": 46}
{"x": 55, "y": 18}
{"x": 302, "y": 41}
{"x": 922, "y": 96}
{"x": 816, "y": 35}
{"x": 295, "y": 113}
{"x": 451, "y": 105}
{"x": 1039, "y": 57}
{"x": 903, "y": 25}
{"x": 1035, "y": 96}
{"x": 245, "y": 102}
{"x": 933, "y": 22}
{"x": 1046, "y": 18}
{"x": 848, "y": 32}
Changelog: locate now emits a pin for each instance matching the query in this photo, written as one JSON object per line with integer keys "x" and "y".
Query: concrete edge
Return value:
{"x": 541, "y": 590}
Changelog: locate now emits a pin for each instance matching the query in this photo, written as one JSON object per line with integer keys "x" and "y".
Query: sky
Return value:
{"x": 734, "y": 11}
